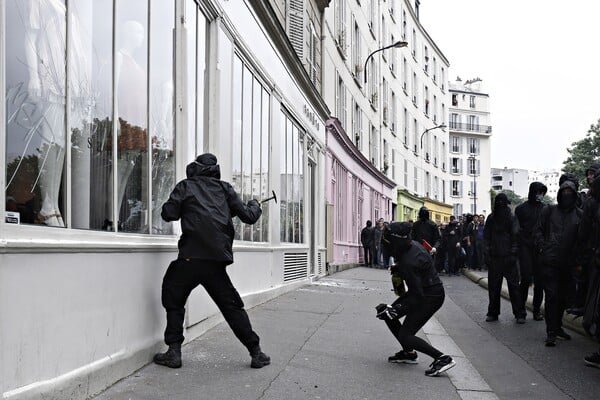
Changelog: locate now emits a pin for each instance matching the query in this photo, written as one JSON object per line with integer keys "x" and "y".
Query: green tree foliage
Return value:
{"x": 583, "y": 153}
{"x": 514, "y": 198}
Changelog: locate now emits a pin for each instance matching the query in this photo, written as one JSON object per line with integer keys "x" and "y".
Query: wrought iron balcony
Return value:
{"x": 470, "y": 127}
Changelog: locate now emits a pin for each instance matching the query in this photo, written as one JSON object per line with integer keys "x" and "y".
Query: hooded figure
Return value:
{"x": 205, "y": 205}
{"x": 528, "y": 215}
{"x": 556, "y": 240}
{"x": 500, "y": 243}
{"x": 366, "y": 238}
{"x": 425, "y": 229}
{"x": 423, "y": 297}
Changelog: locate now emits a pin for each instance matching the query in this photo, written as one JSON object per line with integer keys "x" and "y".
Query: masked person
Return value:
{"x": 528, "y": 214}
{"x": 423, "y": 297}
{"x": 205, "y": 205}
{"x": 425, "y": 229}
{"x": 500, "y": 242}
{"x": 555, "y": 239}
{"x": 366, "y": 238}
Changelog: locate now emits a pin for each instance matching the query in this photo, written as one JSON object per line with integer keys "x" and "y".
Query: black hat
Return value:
{"x": 207, "y": 159}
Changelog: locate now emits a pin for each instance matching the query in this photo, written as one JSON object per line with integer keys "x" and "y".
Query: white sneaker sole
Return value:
{"x": 443, "y": 369}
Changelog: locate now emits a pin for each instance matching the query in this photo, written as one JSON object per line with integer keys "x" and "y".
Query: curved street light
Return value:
{"x": 396, "y": 45}
{"x": 441, "y": 126}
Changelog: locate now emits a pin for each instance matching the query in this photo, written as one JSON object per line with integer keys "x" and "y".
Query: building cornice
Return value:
{"x": 266, "y": 15}
{"x": 424, "y": 32}
{"x": 468, "y": 92}
{"x": 436, "y": 202}
{"x": 333, "y": 126}
{"x": 408, "y": 194}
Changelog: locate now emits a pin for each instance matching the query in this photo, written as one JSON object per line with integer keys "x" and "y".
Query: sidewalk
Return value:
{"x": 481, "y": 279}
{"x": 324, "y": 342}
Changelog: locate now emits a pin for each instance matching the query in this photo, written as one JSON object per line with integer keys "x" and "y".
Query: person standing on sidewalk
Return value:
{"x": 205, "y": 205}
{"x": 426, "y": 229}
{"x": 556, "y": 239}
{"x": 528, "y": 214}
{"x": 376, "y": 246}
{"x": 424, "y": 296}
{"x": 366, "y": 238}
{"x": 500, "y": 237}
{"x": 479, "y": 243}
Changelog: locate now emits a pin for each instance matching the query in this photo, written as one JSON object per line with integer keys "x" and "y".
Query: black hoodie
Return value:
{"x": 206, "y": 206}
{"x": 501, "y": 230}
{"x": 528, "y": 213}
{"x": 556, "y": 231}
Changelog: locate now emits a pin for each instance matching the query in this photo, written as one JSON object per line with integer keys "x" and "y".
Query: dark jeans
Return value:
{"x": 500, "y": 268}
{"x": 556, "y": 284}
{"x": 530, "y": 273}
{"x": 479, "y": 254}
{"x": 368, "y": 255}
{"x": 182, "y": 277}
{"x": 415, "y": 319}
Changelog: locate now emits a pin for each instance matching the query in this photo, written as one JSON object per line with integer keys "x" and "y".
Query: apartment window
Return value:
{"x": 473, "y": 166}
{"x": 426, "y": 59}
{"x": 458, "y": 209}
{"x": 414, "y": 44}
{"x": 393, "y": 56}
{"x": 472, "y": 101}
{"x": 435, "y": 151}
{"x": 455, "y": 144}
{"x": 356, "y": 52}
{"x": 455, "y": 121}
{"x": 384, "y": 35}
{"x": 341, "y": 101}
{"x": 427, "y": 184}
{"x": 373, "y": 140}
{"x": 473, "y": 145}
{"x": 406, "y": 173}
{"x": 404, "y": 76}
{"x": 373, "y": 16}
{"x": 473, "y": 191}
{"x": 313, "y": 51}
{"x": 340, "y": 24}
{"x": 454, "y": 100}
{"x": 392, "y": 8}
{"x": 405, "y": 124}
{"x": 393, "y": 165}
{"x": 443, "y": 78}
{"x": 435, "y": 103}
{"x": 456, "y": 188}
{"x": 436, "y": 187}
{"x": 455, "y": 165}
{"x": 426, "y": 100}
{"x": 403, "y": 24}
{"x": 393, "y": 116}
{"x": 415, "y": 179}
{"x": 385, "y": 102}
{"x": 416, "y": 136}
{"x": 443, "y": 116}
{"x": 434, "y": 70}
{"x": 472, "y": 123}
{"x": 357, "y": 125}
{"x": 444, "y": 155}
{"x": 415, "y": 89}
{"x": 373, "y": 81}
{"x": 385, "y": 157}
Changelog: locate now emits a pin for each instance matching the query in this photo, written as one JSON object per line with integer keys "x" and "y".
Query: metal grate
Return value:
{"x": 320, "y": 263}
{"x": 295, "y": 266}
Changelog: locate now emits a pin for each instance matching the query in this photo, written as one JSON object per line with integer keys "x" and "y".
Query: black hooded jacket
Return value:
{"x": 528, "y": 214}
{"x": 589, "y": 227}
{"x": 501, "y": 230}
{"x": 556, "y": 231}
{"x": 425, "y": 229}
{"x": 206, "y": 205}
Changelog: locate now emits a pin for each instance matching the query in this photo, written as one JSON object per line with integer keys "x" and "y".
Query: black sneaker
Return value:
{"x": 171, "y": 358}
{"x": 593, "y": 360}
{"x": 259, "y": 360}
{"x": 491, "y": 318}
{"x": 404, "y": 357}
{"x": 520, "y": 320}
{"x": 562, "y": 335}
{"x": 538, "y": 316}
{"x": 444, "y": 363}
{"x": 550, "y": 340}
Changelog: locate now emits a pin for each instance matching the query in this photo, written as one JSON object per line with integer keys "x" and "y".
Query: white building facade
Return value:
{"x": 469, "y": 147}
{"x": 513, "y": 179}
{"x": 104, "y": 104}
{"x": 550, "y": 178}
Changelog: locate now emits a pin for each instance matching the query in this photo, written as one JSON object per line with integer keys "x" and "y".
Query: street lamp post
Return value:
{"x": 474, "y": 191}
{"x": 441, "y": 126}
{"x": 397, "y": 45}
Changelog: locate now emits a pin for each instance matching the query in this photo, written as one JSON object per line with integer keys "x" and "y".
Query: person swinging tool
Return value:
{"x": 425, "y": 295}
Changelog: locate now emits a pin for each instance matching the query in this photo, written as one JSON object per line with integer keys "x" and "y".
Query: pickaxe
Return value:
{"x": 274, "y": 197}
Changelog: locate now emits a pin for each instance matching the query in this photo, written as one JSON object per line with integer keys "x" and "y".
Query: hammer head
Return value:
{"x": 274, "y": 196}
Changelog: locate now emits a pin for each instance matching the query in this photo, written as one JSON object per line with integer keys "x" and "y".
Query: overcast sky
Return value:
{"x": 540, "y": 63}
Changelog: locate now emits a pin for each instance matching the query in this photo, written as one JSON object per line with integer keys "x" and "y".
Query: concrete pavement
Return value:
{"x": 325, "y": 343}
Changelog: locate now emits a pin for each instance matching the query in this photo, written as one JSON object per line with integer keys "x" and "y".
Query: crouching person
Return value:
{"x": 205, "y": 205}
{"x": 424, "y": 296}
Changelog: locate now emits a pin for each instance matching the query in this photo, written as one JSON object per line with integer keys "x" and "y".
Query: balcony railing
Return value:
{"x": 459, "y": 126}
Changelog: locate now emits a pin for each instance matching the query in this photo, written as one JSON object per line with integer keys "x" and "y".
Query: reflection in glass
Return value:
{"x": 91, "y": 113}
{"x": 236, "y": 139}
{"x": 246, "y": 144}
{"x": 132, "y": 135}
{"x": 292, "y": 182}
{"x": 161, "y": 109}
{"x": 264, "y": 169}
{"x": 35, "y": 101}
{"x": 191, "y": 17}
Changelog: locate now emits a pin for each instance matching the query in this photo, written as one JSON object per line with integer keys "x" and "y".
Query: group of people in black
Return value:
{"x": 555, "y": 247}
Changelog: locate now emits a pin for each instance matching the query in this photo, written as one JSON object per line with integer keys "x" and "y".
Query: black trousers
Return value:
{"x": 182, "y": 276}
{"x": 531, "y": 272}
{"x": 479, "y": 250}
{"x": 368, "y": 255}
{"x": 556, "y": 285}
{"x": 500, "y": 268}
{"x": 406, "y": 331}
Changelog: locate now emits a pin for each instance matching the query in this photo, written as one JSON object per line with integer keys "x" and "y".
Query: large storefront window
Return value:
{"x": 44, "y": 122}
{"x": 250, "y": 150}
{"x": 292, "y": 181}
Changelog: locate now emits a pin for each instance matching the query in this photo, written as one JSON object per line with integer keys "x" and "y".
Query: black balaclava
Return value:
{"x": 369, "y": 223}
{"x": 569, "y": 176}
{"x": 567, "y": 199}
{"x": 502, "y": 215}
{"x": 397, "y": 238}
{"x": 537, "y": 191}
{"x": 423, "y": 214}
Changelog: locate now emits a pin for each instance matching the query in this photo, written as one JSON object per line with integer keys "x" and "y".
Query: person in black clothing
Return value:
{"x": 426, "y": 229}
{"x": 425, "y": 295}
{"x": 500, "y": 241}
{"x": 451, "y": 245}
{"x": 366, "y": 238}
{"x": 555, "y": 238}
{"x": 205, "y": 205}
{"x": 528, "y": 214}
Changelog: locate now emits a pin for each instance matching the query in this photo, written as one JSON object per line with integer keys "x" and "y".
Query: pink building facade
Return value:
{"x": 356, "y": 192}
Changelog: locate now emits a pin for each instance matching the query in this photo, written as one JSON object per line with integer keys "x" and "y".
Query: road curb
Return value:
{"x": 568, "y": 320}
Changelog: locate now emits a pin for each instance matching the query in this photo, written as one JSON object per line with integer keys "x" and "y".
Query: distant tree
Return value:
{"x": 514, "y": 198}
{"x": 548, "y": 200}
{"x": 583, "y": 153}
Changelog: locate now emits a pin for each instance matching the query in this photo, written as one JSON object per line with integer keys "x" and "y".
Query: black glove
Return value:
{"x": 387, "y": 312}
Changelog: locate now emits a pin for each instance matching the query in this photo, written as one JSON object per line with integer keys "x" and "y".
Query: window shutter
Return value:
{"x": 295, "y": 20}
